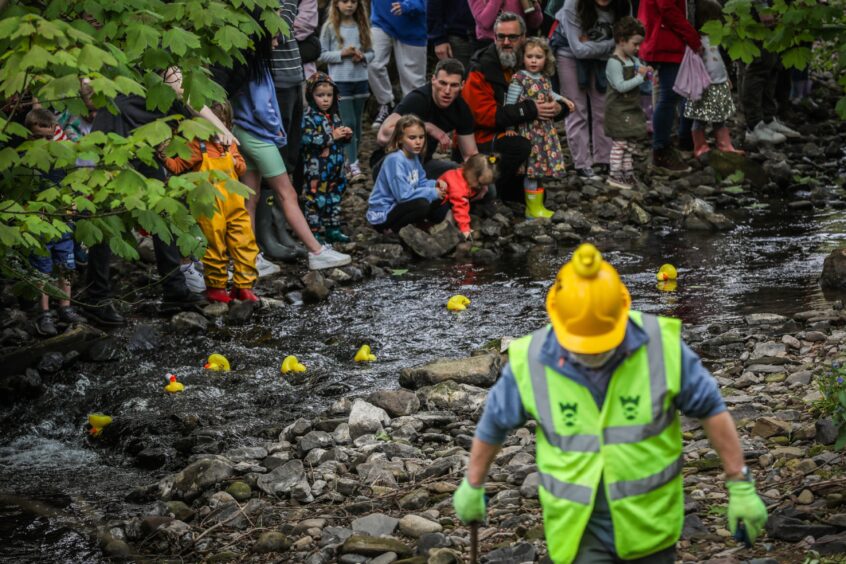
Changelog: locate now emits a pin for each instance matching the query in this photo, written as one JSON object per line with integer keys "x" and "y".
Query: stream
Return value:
{"x": 769, "y": 263}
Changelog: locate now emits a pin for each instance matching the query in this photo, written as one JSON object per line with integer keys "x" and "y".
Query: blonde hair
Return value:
{"x": 40, "y": 117}
{"x": 542, "y": 44}
{"x": 479, "y": 164}
{"x": 361, "y": 17}
{"x": 403, "y": 123}
{"x": 223, "y": 111}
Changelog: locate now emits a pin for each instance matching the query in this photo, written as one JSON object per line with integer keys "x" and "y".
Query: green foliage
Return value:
{"x": 122, "y": 48}
{"x": 804, "y": 32}
{"x": 832, "y": 386}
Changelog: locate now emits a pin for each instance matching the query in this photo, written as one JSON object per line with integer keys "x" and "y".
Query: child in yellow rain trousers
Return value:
{"x": 229, "y": 231}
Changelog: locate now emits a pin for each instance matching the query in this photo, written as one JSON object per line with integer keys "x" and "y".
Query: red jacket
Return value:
{"x": 667, "y": 31}
{"x": 459, "y": 194}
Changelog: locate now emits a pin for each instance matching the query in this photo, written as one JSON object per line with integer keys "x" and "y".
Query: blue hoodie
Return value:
{"x": 401, "y": 179}
{"x": 409, "y": 28}
{"x": 256, "y": 111}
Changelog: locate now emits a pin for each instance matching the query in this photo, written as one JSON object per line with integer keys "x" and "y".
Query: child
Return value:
{"x": 468, "y": 183}
{"x": 625, "y": 121}
{"x": 323, "y": 159}
{"x": 715, "y": 105}
{"x": 346, "y": 48}
{"x": 402, "y": 194}
{"x": 43, "y": 124}
{"x": 229, "y": 231}
{"x": 546, "y": 159}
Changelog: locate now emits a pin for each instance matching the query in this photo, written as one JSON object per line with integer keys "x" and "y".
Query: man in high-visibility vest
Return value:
{"x": 605, "y": 385}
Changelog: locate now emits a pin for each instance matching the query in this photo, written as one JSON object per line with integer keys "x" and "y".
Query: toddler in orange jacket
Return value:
{"x": 468, "y": 183}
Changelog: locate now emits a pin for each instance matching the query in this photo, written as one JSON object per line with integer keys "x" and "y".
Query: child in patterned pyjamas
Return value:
{"x": 323, "y": 158}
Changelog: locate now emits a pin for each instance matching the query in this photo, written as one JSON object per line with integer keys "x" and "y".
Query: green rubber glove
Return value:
{"x": 745, "y": 505}
{"x": 469, "y": 502}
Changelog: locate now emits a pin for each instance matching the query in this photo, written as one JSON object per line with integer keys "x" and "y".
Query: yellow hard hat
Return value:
{"x": 588, "y": 304}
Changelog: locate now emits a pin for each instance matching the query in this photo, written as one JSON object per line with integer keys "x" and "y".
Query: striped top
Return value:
{"x": 343, "y": 69}
{"x": 285, "y": 65}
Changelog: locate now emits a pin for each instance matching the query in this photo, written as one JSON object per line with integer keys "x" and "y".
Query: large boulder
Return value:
{"x": 834, "y": 270}
{"x": 366, "y": 418}
{"x": 441, "y": 239}
{"x": 195, "y": 478}
{"x": 396, "y": 402}
{"x": 479, "y": 370}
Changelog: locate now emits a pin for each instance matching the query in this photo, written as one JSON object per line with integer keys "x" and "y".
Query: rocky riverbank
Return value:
{"x": 370, "y": 480}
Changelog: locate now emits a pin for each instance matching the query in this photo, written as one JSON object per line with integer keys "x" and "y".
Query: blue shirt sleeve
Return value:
{"x": 503, "y": 410}
{"x": 700, "y": 395}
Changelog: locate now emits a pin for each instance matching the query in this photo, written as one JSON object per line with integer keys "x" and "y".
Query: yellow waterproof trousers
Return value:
{"x": 229, "y": 233}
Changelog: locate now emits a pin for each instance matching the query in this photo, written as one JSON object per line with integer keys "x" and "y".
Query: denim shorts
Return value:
{"x": 60, "y": 254}
{"x": 360, "y": 89}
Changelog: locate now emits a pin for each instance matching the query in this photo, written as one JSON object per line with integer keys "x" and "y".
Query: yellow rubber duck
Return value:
{"x": 667, "y": 272}
{"x": 458, "y": 303}
{"x": 667, "y": 286}
{"x": 98, "y": 421}
{"x": 174, "y": 387}
{"x": 291, "y": 364}
{"x": 364, "y": 354}
{"x": 217, "y": 363}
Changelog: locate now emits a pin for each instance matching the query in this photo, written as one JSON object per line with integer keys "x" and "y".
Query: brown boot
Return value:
{"x": 723, "y": 136}
{"x": 667, "y": 160}
{"x": 700, "y": 143}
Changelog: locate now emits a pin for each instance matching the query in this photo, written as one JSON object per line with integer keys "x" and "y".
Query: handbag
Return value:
{"x": 692, "y": 78}
{"x": 309, "y": 48}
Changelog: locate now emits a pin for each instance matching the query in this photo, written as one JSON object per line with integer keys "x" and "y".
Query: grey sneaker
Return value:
{"x": 193, "y": 279}
{"x": 265, "y": 267}
{"x": 587, "y": 173}
{"x": 327, "y": 258}
{"x": 763, "y": 134}
{"x": 45, "y": 325}
{"x": 618, "y": 181}
{"x": 779, "y": 127}
{"x": 382, "y": 115}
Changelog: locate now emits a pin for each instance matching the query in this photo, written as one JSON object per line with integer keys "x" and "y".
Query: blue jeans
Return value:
{"x": 664, "y": 113}
{"x": 353, "y": 98}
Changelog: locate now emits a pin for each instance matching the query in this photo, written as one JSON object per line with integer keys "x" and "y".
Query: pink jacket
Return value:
{"x": 486, "y": 11}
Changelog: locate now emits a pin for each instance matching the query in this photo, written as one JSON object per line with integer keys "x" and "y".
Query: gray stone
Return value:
{"x": 241, "y": 454}
{"x": 240, "y": 312}
{"x": 831, "y": 545}
{"x": 415, "y": 526}
{"x": 767, "y": 427}
{"x": 416, "y": 499}
{"x": 372, "y": 546}
{"x": 195, "y": 478}
{"x": 826, "y": 431}
{"x": 440, "y": 240}
{"x": 117, "y": 549}
{"x": 765, "y": 319}
{"x": 791, "y": 342}
{"x": 299, "y": 427}
{"x": 834, "y": 270}
{"x": 396, "y": 402}
{"x": 452, "y": 396}
{"x": 216, "y": 309}
{"x": 282, "y": 479}
{"x": 769, "y": 349}
{"x": 366, "y": 418}
{"x": 240, "y": 491}
{"x": 802, "y": 377}
{"x": 479, "y": 370}
{"x": 143, "y": 339}
{"x": 51, "y": 362}
{"x": 375, "y": 525}
{"x": 530, "y": 485}
{"x": 385, "y": 558}
{"x": 189, "y": 322}
{"x": 429, "y": 541}
{"x": 271, "y": 541}
{"x": 180, "y": 510}
{"x": 316, "y": 289}
{"x": 793, "y": 530}
{"x": 519, "y": 553}
{"x": 314, "y": 439}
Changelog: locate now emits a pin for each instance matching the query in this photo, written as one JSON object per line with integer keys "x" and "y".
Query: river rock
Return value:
{"x": 767, "y": 427}
{"x": 282, "y": 479}
{"x": 416, "y": 499}
{"x": 372, "y": 546}
{"x": 313, "y": 440}
{"x": 802, "y": 377}
{"x": 240, "y": 491}
{"x": 530, "y": 486}
{"x": 117, "y": 549}
{"x": 834, "y": 270}
{"x": 765, "y": 319}
{"x": 415, "y": 526}
{"x": 479, "y": 370}
{"x": 51, "y": 362}
{"x": 26, "y": 385}
{"x": 366, "y": 418}
{"x": 452, "y": 396}
{"x": 316, "y": 288}
{"x": 831, "y": 545}
{"x": 240, "y": 312}
{"x": 375, "y": 525}
{"x": 440, "y": 240}
{"x": 216, "y": 309}
{"x": 143, "y": 339}
{"x": 522, "y": 552}
{"x": 104, "y": 350}
{"x": 189, "y": 322}
{"x": 195, "y": 478}
{"x": 180, "y": 510}
{"x": 826, "y": 431}
{"x": 396, "y": 402}
{"x": 271, "y": 541}
{"x": 793, "y": 530}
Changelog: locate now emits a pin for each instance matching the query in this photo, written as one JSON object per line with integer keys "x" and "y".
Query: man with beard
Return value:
{"x": 487, "y": 84}
{"x": 444, "y": 112}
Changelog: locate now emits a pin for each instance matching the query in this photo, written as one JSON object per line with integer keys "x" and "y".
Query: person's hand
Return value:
{"x": 641, "y": 70}
{"x": 570, "y": 105}
{"x": 348, "y": 132}
{"x": 443, "y": 51}
{"x": 396, "y": 9}
{"x": 745, "y": 505}
{"x": 444, "y": 142}
{"x": 483, "y": 191}
{"x": 161, "y": 149}
{"x": 510, "y": 133}
{"x": 469, "y": 503}
{"x": 341, "y": 133}
{"x": 227, "y": 138}
{"x": 358, "y": 56}
{"x": 583, "y": 38}
{"x": 441, "y": 187}
{"x": 348, "y": 52}
{"x": 547, "y": 110}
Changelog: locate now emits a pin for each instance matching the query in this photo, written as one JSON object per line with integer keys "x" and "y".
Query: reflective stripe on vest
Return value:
{"x": 619, "y": 490}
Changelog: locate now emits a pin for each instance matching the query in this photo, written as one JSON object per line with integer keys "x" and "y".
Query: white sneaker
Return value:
{"x": 779, "y": 127}
{"x": 327, "y": 258}
{"x": 355, "y": 173}
{"x": 265, "y": 267}
{"x": 193, "y": 279}
{"x": 763, "y": 134}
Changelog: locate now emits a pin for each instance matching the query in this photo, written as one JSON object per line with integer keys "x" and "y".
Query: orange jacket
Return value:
{"x": 459, "y": 194}
{"x": 178, "y": 165}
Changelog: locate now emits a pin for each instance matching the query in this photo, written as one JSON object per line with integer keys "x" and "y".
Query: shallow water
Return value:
{"x": 769, "y": 263}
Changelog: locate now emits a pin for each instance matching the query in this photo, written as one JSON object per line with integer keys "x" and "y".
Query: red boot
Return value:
{"x": 218, "y": 295}
{"x": 700, "y": 144}
{"x": 723, "y": 136}
{"x": 243, "y": 295}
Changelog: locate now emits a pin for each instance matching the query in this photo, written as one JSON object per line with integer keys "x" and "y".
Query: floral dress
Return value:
{"x": 546, "y": 159}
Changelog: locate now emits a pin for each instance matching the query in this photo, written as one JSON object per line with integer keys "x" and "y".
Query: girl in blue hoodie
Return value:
{"x": 402, "y": 194}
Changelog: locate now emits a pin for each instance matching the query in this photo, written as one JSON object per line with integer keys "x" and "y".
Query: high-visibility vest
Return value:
{"x": 634, "y": 443}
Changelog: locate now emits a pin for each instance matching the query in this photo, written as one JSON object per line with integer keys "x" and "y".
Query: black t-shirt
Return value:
{"x": 455, "y": 117}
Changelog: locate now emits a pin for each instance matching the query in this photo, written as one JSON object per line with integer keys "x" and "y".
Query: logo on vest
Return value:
{"x": 569, "y": 411}
{"x": 630, "y": 406}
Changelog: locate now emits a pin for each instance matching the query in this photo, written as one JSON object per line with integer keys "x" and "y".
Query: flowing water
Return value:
{"x": 769, "y": 263}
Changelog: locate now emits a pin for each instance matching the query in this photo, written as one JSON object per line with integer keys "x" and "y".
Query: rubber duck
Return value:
{"x": 217, "y": 363}
{"x": 291, "y": 364}
{"x": 98, "y": 421}
{"x": 174, "y": 387}
{"x": 667, "y": 286}
{"x": 458, "y": 303}
{"x": 364, "y": 354}
{"x": 667, "y": 272}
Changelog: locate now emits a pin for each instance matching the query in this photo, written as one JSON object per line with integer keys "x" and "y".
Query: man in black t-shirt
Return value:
{"x": 440, "y": 105}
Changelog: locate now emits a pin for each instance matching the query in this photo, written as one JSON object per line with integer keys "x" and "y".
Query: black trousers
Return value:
{"x": 291, "y": 105}
{"x": 758, "y": 94}
{"x": 513, "y": 152}
{"x": 413, "y": 211}
{"x": 99, "y": 285}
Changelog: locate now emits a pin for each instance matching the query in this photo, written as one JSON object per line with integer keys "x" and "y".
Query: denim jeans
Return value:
{"x": 664, "y": 114}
